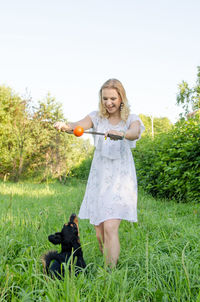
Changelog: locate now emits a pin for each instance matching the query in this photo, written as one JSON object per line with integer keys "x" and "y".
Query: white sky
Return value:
{"x": 70, "y": 48}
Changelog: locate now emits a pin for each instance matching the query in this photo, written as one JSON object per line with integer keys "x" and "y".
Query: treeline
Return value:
{"x": 29, "y": 144}
{"x": 167, "y": 157}
{"x": 30, "y": 147}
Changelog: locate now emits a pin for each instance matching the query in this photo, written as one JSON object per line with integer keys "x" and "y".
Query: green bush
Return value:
{"x": 82, "y": 171}
{"x": 168, "y": 166}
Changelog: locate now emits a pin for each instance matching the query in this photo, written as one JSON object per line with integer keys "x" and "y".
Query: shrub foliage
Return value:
{"x": 168, "y": 166}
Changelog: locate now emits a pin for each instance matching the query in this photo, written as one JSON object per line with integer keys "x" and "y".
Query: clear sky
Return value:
{"x": 70, "y": 48}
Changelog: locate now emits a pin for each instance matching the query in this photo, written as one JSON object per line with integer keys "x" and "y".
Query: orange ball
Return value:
{"x": 78, "y": 131}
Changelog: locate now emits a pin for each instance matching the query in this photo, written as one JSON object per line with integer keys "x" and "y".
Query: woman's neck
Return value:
{"x": 115, "y": 115}
{"x": 114, "y": 118}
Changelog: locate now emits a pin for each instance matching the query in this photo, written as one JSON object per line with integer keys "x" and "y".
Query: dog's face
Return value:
{"x": 74, "y": 219}
{"x": 71, "y": 231}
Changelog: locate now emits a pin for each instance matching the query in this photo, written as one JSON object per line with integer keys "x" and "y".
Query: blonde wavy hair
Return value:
{"x": 117, "y": 85}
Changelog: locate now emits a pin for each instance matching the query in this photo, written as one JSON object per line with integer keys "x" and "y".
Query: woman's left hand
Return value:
{"x": 119, "y": 133}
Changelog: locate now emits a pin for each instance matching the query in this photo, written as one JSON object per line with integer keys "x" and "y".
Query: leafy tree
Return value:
{"x": 189, "y": 97}
{"x": 47, "y": 140}
{"x": 30, "y": 146}
{"x": 57, "y": 152}
{"x": 12, "y": 127}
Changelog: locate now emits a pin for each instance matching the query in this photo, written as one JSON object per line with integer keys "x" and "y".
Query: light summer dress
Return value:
{"x": 111, "y": 191}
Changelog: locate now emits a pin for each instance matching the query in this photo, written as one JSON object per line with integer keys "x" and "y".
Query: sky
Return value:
{"x": 70, "y": 48}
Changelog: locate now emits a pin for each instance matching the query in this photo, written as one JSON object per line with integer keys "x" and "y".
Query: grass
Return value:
{"x": 159, "y": 259}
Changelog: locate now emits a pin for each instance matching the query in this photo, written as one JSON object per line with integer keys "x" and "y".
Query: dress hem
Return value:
{"x": 110, "y": 218}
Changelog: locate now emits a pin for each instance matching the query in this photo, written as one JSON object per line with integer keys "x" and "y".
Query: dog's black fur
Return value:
{"x": 70, "y": 247}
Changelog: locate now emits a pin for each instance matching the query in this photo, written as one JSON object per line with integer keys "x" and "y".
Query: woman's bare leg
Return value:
{"x": 111, "y": 241}
{"x": 100, "y": 235}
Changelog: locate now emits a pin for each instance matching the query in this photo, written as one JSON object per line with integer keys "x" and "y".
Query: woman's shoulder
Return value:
{"x": 133, "y": 117}
{"x": 95, "y": 117}
{"x": 94, "y": 113}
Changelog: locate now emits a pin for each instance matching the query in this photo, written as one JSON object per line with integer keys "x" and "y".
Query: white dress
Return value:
{"x": 111, "y": 191}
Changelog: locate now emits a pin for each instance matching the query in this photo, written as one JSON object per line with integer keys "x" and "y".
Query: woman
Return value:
{"x": 111, "y": 192}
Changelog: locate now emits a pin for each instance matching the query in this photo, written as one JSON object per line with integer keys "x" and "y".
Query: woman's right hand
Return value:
{"x": 61, "y": 126}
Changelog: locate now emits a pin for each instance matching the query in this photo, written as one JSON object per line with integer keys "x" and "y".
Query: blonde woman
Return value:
{"x": 111, "y": 192}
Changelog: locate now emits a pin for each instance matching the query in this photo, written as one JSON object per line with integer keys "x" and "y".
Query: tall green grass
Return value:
{"x": 159, "y": 259}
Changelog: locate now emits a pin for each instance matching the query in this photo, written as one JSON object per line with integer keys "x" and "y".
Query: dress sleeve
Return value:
{"x": 131, "y": 119}
{"x": 95, "y": 118}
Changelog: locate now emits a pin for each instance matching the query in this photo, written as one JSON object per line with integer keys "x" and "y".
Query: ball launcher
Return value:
{"x": 79, "y": 131}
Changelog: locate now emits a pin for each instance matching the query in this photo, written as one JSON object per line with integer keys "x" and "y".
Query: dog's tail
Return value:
{"x": 47, "y": 258}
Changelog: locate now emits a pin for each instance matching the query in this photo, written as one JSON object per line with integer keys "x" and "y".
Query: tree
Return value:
{"x": 48, "y": 156}
{"x": 13, "y": 125}
{"x": 29, "y": 144}
{"x": 189, "y": 98}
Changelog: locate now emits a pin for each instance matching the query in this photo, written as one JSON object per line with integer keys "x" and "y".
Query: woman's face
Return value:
{"x": 111, "y": 100}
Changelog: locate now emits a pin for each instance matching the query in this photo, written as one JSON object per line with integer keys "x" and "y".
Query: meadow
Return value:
{"x": 159, "y": 259}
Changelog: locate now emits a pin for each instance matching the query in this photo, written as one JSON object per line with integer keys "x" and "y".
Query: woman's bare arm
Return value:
{"x": 133, "y": 132}
{"x": 86, "y": 123}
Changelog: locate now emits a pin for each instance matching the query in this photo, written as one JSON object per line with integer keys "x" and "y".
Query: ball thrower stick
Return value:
{"x": 113, "y": 136}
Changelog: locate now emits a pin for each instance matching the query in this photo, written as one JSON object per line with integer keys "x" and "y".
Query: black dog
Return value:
{"x": 71, "y": 248}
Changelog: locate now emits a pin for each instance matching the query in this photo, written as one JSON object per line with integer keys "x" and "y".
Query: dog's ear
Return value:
{"x": 74, "y": 219}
